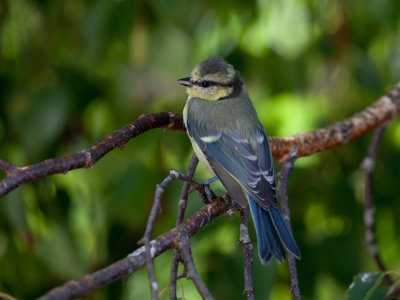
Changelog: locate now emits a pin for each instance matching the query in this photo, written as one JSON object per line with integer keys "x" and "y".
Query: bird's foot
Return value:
{"x": 206, "y": 194}
{"x": 209, "y": 180}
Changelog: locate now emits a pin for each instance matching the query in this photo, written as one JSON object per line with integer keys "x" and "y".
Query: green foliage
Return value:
{"x": 366, "y": 287}
{"x": 74, "y": 71}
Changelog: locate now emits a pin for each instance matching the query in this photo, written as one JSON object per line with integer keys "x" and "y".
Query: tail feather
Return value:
{"x": 264, "y": 249}
{"x": 283, "y": 232}
{"x": 271, "y": 232}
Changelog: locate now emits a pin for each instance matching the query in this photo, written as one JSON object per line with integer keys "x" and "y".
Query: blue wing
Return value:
{"x": 245, "y": 168}
{"x": 249, "y": 162}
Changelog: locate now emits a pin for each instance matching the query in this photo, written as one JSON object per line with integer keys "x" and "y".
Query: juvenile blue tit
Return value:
{"x": 229, "y": 140}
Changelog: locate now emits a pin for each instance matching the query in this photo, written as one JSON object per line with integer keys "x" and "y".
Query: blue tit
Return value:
{"x": 229, "y": 140}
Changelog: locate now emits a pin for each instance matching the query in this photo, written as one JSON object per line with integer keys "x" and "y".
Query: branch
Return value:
{"x": 87, "y": 158}
{"x": 369, "y": 208}
{"x": 284, "y": 200}
{"x": 306, "y": 143}
{"x": 152, "y": 217}
{"x": 7, "y": 296}
{"x": 7, "y": 167}
{"x": 124, "y": 267}
{"x": 247, "y": 253}
{"x": 179, "y": 219}
{"x": 149, "y": 230}
{"x": 192, "y": 274}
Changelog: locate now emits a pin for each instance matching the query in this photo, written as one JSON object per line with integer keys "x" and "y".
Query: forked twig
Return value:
{"x": 179, "y": 219}
{"x": 149, "y": 229}
{"x": 152, "y": 217}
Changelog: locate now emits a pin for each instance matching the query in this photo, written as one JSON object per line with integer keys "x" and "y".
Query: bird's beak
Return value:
{"x": 185, "y": 81}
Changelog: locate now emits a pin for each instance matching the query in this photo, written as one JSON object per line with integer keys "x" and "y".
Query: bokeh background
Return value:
{"x": 74, "y": 71}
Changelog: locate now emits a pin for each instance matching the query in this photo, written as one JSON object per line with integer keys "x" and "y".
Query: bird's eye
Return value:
{"x": 205, "y": 84}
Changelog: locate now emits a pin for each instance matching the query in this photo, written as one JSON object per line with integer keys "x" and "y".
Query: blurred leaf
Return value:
{"x": 42, "y": 121}
{"x": 22, "y": 23}
{"x": 282, "y": 26}
{"x": 365, "y": 287}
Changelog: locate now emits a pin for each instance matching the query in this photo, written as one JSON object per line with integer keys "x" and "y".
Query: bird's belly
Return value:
{"x": 200, "y": 155}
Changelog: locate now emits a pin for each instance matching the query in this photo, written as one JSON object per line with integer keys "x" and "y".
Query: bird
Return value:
{"x": 229, "y": 140}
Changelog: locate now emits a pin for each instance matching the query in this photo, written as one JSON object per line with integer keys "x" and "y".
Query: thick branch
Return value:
{"x": 307, "y": 143}
{"x": 87, "y": 158}
{"x": 124, "y": 267}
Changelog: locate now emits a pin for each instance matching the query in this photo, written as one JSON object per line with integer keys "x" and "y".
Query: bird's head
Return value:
{"x": 213, "y": 79}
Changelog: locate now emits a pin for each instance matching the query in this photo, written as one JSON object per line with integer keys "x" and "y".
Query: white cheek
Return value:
{"x": 213, "y": 90}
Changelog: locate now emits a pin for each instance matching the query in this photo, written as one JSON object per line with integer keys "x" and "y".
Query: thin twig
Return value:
{"x": 180, "y": 276}
{"x": 124, "y": 267}
{"x": 191, "y": 268}
{"x": 368, "y": 165}
{"x": 184, "y": 193}
{"x": 7, "y": 296}
{"x": 152, "y": 217}
{"x": 7, "y": 167}
{"x": 181, "y": 285}
{"x": 179, "y": 219}
{"x": 283, "y": 176}
{"x": 247, "y": 253}
{"x": 393, "y": 294}
{"x": 149, "y": 229}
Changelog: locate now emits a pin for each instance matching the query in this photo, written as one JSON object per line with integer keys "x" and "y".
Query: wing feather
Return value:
{"x": 248, "y": 161}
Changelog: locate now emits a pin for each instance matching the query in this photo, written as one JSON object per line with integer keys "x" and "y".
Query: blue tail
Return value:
{"x": 272, "y": 233}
